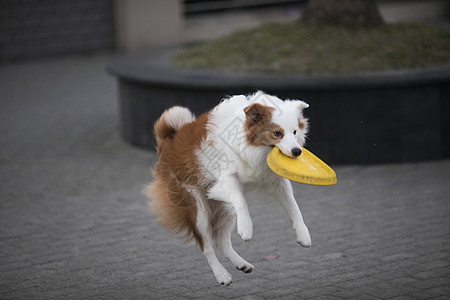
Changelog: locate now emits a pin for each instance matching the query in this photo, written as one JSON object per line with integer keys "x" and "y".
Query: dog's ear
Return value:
{"x": 302, "y": 105}
{"x": 257, "y": 113}
{"x": 302, "y": 121}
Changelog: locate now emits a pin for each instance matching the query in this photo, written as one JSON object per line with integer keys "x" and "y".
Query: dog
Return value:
{"x": 205, "y": 164}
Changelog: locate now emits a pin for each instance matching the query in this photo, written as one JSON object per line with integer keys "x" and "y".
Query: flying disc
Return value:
{"x": 307, "y": 168}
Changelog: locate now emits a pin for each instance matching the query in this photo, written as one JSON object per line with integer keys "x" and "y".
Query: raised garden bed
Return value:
{"x": 366, "y": 117}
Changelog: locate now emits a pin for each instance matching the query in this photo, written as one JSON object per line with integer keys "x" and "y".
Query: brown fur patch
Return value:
{"x": 162, "y": 131}
{"x": 301, "y": 124}
{"x": 302, "y": 121}
{"x": 259, "y": 126}
{"x": 177, "y": 165}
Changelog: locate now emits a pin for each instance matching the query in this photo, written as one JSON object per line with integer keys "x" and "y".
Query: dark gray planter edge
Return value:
{"x": 154, "y": 66}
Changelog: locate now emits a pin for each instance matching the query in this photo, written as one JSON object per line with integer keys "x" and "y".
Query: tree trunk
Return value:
{"x": 345, "y": 12}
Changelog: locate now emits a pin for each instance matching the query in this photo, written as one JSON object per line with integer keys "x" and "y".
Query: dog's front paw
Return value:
{"x": 245, "y": 267}
{"x": 303, "y": 237}
{"x": 224, "y": 278}
{"x": 245, "y": 229}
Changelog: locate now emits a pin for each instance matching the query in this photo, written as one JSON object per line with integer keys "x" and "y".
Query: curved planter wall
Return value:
{"x": 375, "y": 117}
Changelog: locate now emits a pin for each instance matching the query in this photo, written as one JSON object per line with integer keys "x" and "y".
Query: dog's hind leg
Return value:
{"x": 223, "y": 226}
{"x": 205, "y": 230}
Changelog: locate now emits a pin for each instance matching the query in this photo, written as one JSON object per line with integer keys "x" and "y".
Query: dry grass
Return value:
{"x": 297, "y": 47}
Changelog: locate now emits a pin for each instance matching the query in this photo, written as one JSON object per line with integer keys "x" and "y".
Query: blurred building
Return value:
{"x": 35, "y": 28}
{"x": 40, "y": 28}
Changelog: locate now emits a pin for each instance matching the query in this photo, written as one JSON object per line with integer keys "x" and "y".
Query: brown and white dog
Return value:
{"x": 206, "y": 164}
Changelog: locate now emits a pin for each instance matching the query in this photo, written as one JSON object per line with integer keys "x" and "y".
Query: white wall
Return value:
{"x": 147, "y": 23}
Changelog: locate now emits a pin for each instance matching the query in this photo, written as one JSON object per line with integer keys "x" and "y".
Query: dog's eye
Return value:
{"x": 278, "y": 134}
{"x": 295, "y": 132}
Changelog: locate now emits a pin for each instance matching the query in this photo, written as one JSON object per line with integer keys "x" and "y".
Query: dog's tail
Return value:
{"x": 169, "y": 123}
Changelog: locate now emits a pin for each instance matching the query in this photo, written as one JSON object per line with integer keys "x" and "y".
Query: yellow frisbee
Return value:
{"x": 307, "y": 168}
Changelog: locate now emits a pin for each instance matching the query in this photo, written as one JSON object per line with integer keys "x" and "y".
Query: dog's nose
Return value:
{"x": 296, "y": 151}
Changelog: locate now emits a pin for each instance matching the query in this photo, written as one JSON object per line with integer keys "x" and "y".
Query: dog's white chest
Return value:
{"x": 253, "y": 173}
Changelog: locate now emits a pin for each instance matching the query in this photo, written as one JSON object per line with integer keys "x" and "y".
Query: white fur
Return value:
{"x": 177, "y": 116}
{"x": 230, "y": 166}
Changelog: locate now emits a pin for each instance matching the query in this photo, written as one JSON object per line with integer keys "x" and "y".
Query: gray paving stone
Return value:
{"x": 75, "y": 225}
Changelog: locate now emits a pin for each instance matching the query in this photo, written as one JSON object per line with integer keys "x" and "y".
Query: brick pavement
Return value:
{"x": 74, "y": 224}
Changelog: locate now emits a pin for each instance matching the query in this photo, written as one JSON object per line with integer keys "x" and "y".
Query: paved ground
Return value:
{"x": 74, "y": 224}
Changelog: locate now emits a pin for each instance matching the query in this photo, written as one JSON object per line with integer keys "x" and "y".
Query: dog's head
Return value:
{"x": 282, "y": 125}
